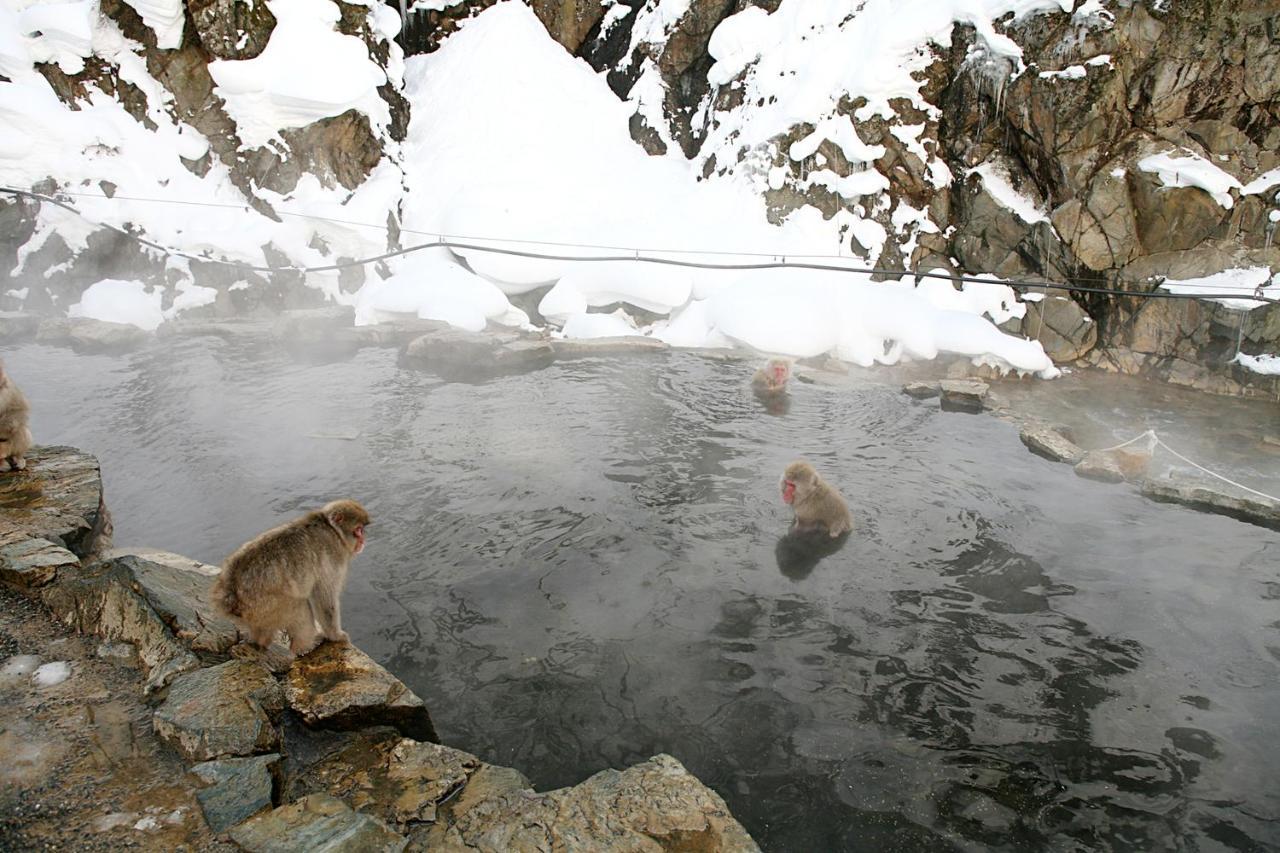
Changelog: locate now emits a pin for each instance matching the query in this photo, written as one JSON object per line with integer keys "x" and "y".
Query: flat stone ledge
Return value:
{"x": 1114, "y": 465}
{"x": 177, "y": 588}
{"x": 1048, "y": 441}
{"x": 337, "y": 686}
{"x": 59, "y": 498}
{"x": 1210, "y": 498}
{"x": 454, "y": 353}
{"x": 607, "y": 346}
{"x": 318, "y": 822}
{"x": 963, "y": 395}
{"x": 226, "y": 710}
{"x": 921, "y": 390}
{"x": 91, "y": 336}
{"x": 18, "y": 326}
{"x": 32, "y": 563}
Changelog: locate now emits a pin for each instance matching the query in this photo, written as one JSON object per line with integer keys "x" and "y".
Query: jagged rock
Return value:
{"x": 58, "y": 498}
{"x": 16, "y": 326}
{"x": 1215, "y": 499}
{"x": 1046, "y": 440}
{"x": 1172, "y": 219}
{"x": 239, "y": 788}
{"x": 100, "y": 599}
{"x": 1114, "y": 465}
{"x": 380, "y": 772}
{"x": 962, "y": 395}
{"x": 32, "y": 563}
{"x": 232, "y": 29}
{"x": 316, "y": 823}
{"x": 655, "y": 805}
{"x": 91, "y": 336}
{"x": 1061, "y": 326}
{"x": 608, "y": 346}
{"x": 337, "y": 686}
{"x": 569, "y": 21}
{"x": 223, "y": 710}
{"x": 1101, "y": 230}
{"x": 458, "y": 354}
{"x": 921, "y": 390}
{"x": 177, "y": 589}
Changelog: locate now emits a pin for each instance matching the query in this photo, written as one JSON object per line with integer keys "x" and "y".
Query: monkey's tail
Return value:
{"x": 224, "y": 597}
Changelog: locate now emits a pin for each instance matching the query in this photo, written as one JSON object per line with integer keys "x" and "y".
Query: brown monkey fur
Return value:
{"x": 771, "y": 380}
{"x": 817, "y": 504}
{"x": 15, "y": 438}
{"x": 292, "y": 576}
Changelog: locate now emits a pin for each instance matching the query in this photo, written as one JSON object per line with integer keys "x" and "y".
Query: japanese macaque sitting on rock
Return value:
{"x": 818, "y": 506}
{"x": 292, "y": 576}
{"x": 15, "y": 438}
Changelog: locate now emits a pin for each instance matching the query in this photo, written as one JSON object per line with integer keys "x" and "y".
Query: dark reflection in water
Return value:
{"x": 581, "y": 567}
{"x": 799, "y": 552}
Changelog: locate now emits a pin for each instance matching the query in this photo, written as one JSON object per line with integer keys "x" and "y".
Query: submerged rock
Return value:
{"x": 458, "y": 354}
{"x": 318, "y": 822}
{"x": 963, "y": 395}
{"x": 655, "y": 805}
{"x": 337, "y": 686}
{"x": 58, "y": 498}
{"x": 1048, "y": 441}
{"x": 394, "y": 778}
{"x": 239, "y": 788}
{"x": 17, "y": 326}
{"x": 224, "y": 710}
{"x": 1215, "y": 499}
{"x": 1114, "y": 465}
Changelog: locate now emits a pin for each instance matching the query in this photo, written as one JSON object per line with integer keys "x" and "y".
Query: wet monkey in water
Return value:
{"x": 15, "y": 437}
{"x": 292, "y": 576}
{"x": 817, "y": 505}
{"x": 771, "y": 380}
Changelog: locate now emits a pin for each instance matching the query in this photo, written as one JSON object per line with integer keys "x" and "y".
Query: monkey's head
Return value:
{"x": 797, "y": 481}
{"x": 778, "y": 371}
{"x": 350, "y": 520}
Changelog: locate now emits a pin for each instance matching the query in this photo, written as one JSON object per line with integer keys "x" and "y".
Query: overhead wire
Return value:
{"x": 471, "y": 243}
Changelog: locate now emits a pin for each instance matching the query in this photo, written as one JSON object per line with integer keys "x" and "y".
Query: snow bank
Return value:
{"x": 49, "y": 674}
{"x": 432, "y": 286}
{"x": 477, "y": 174}
{"x": 165, "y": 18}
{"x": 116, "y": 301}
{"x": 1242, "y": 281}
{"x": 1268, "y": 365}
{"x": 308, "y": 71}
{"x": 1191, "y": 170}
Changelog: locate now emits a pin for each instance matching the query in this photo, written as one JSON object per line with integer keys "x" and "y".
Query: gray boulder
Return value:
{"x": 224, "y": 710}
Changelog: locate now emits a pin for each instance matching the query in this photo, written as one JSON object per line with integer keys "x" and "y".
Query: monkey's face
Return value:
{"x": 358, "y": 534}
{"x": 780, "y": 373}
{"x": 788, "y": 491}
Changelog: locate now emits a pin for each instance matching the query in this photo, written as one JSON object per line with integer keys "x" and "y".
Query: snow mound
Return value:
{"x": 1243, "y": 281}
{"x": 117, "y": 301}
{"x": 432, "y": 287}
{"x": 1267, "y": 365}
{"x": 1192, "y": 170}
{"x": 49, "y": 674}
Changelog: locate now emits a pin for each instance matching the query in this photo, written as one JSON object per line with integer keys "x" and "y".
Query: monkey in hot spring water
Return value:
{"x": 817, "y": 505}
{"x": 15, "y": 437}
{"x": 292, "y": 576}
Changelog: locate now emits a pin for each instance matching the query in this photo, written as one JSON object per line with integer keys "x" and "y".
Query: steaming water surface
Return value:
{"x": 580, "y": 567}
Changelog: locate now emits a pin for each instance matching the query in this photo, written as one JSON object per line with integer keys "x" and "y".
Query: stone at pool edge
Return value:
{"x": 1048, "y": 441}
{"x": 454, "y": 352}
{"x": 239, "y": 788}
{"x": 615, "y": 345}
{"x": 222, "y": 711}
{"x": 1208, "y": 498}
{"x": 85, "y": 335}
{"x": 58, "y": 497}
{"x": 921, "y": 390}
{"x": 18, "y": 326}
{"x": 177, "y": 588}
{"x": 316, "y": 822}
{"x": 963, "y": 395}
{"x": 655, "y": 802}
{"x": 1114, "y": 465}
{"x": 337, "y": 686}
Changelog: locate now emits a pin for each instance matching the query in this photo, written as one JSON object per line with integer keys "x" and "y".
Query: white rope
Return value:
{"x": 1157, "y": 440}
{"x": 1160, "y": 441}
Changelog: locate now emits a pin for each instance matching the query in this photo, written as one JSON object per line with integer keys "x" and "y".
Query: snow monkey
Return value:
{"x": 292, "y": 576}
{"x": 771, "y": 380}
{"x": 817, "y": 505}
{"x": 15, "y": 438}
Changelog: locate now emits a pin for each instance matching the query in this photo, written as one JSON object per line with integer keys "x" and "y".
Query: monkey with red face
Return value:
{"x": 770, "y": 381}
{"x": 15, "y": 437}
{"x": 817, "y": 505}
{"x": 292, "y": 576}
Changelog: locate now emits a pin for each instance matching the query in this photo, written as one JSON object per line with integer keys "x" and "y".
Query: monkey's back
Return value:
{"x": 826, "y": 505}
{"x": 278, "y": 564}
{"x": 14, "y": 409}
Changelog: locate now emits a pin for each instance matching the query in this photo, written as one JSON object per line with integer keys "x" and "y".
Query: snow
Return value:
{"x": 118, "y": 301}
{"x": 1244, "y": 281}
{"x": 1267, "y": 365}
{"x": 430, "y": 286}
{"x": 652, "y": 287}
{"x": 1191, "y": 170}
{"x": 50, "y": 674}
{"x": 1071, "y": 72}
{"x": 308, "y": 71}
{"x": 599, "y": 326}
{"x": 1273, "y": 216}
{"x": 65, "y": 33}
{"x": 995, "y": 177}
{"x": 1262, "y": 183}
{"x": 19, "y": 665}
{"x": 433, "y": 5}
{"x": 165, "y": 18}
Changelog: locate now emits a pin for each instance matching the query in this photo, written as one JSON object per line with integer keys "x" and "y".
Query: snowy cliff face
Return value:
{"x": 220, "y": 114}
